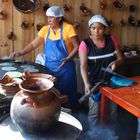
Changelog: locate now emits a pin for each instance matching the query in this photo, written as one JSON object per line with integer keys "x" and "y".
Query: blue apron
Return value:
{"x": 55, "y": 51}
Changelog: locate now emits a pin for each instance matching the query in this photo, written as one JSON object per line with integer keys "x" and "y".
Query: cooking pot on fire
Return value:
{"x": 36, "y": 107}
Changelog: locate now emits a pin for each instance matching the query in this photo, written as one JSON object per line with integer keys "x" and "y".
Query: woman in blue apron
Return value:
{"x": 61, "y": 46}
{"x": 55, "y": 52}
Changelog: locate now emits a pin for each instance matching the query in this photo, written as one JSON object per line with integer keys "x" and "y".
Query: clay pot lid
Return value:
{"x": 36, "y": 85}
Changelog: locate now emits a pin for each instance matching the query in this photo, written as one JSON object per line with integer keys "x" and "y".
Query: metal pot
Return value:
{"x": 37, "y": 106}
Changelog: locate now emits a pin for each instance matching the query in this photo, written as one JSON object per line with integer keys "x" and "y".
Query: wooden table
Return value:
{"x": 126, "y": 97}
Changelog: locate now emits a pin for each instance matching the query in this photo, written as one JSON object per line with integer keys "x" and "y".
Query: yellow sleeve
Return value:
{"x": 43, "y": 32}
{"x": 70, "y": 30}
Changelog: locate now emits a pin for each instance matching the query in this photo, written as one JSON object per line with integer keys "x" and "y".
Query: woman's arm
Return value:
{"x": 120, "y": 57}
{"x": 84, "y": 70}
{"x": 31, "y": 46}
{"x": 75, "y": 43}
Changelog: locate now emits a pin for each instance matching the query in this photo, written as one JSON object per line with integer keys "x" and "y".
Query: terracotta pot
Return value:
{"x": 9, "y": 86}
{"x": 3, "y": 15}
{"x": 37, "y": 106}
{"x": 32, "y": 74}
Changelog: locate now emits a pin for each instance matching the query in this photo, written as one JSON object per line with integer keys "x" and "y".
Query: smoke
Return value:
{"x": 99, "y": 133}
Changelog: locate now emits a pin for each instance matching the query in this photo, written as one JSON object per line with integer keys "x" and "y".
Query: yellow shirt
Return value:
{"x": 68, "y": 31}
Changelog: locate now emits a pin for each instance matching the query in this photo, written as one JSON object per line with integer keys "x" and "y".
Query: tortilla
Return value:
{"x": 31, "y": 69}
{"x": 10, "y": 68}
{"x": 27, "y": 66}
{"x": 6, "y": 64}
{"x": 14, "y": 74}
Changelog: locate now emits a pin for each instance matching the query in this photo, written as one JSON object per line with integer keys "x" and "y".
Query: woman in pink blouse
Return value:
{"x": 97, "y": 51}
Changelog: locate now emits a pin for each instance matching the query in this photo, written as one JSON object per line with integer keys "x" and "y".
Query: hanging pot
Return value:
{"x": 26, "y": 6}
{"x": 3, "y": 15}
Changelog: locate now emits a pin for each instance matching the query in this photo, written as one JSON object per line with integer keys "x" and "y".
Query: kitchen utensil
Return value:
{"x": 110, "y": 71}
{"x": 86, "y": 95}
{"x": 97, "y": 85}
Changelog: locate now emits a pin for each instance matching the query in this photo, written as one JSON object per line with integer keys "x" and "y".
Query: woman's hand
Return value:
{"x": 64, "y": 61}
{"x": 113, "y": 65}
{"x": 87, "y": 88}
{"x": 15, "y": 54}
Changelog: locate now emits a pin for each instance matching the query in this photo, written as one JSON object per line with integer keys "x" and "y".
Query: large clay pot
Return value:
{"x": 37, "y": 106}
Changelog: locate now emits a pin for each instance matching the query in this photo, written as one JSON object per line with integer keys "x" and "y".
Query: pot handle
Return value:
{"x": 52, "y": 78}
{"x": 29, "y": 101}
{"x": 63, "y": 99}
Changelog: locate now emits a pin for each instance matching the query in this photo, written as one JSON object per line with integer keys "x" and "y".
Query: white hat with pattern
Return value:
{"x": 55, "y": 11}
{"x": 97, "y": 18}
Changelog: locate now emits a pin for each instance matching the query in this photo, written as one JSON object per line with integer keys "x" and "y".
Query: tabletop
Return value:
{"x": 126, "y": 97}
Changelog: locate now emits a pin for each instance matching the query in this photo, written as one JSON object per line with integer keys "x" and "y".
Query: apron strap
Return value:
{"x": 61, "y": 38}
{"x": 48, "y": 33}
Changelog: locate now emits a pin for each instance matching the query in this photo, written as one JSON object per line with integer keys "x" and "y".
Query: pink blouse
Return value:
{"x": 83, "y": 46}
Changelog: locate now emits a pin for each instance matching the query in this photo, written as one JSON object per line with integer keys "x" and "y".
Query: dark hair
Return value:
{"x": 62, "y": 19}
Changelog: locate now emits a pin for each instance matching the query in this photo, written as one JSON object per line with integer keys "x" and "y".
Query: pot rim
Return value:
{"x": 36, "y": 82}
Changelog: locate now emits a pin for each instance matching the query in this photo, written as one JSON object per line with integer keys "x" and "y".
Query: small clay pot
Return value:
{"x": 132, "y": 8}
{"x": 132, "y": 21}
{"x": 102, "y": 5}
{"x": 39, "y": 26}
{"x": 84, "y": 10}
{"x": 9, "y": 86}
{"x": 46, "y": 6}
{"x": 138, "y": 23}
{"x": 76, "y": 25}
{"x": 123, "y": 22}
{"x": 3, "y": 15}
{"x": 66, "y": 8}
{"x": 118, "y": 4}
{"x": 24, "y": 25}
{"x": 11, "y": 36}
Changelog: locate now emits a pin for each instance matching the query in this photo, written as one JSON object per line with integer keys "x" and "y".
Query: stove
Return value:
{"x": 20, "y": 66}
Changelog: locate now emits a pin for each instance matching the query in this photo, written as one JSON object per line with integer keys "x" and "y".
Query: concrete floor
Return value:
{"x": 126, "y": 126}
